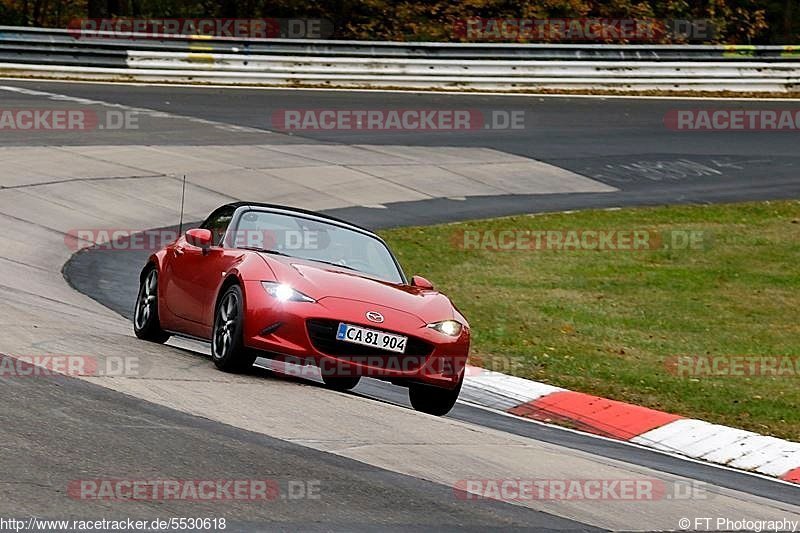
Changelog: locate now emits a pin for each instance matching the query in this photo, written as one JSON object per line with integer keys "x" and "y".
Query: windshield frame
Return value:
{"x": 227, "y": 241}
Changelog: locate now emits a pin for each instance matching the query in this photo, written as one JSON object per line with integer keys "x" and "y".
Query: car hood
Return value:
{"x": 321, "y": 281}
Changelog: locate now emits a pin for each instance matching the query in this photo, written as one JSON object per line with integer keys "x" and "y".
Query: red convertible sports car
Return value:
{"x": 297, "y": 286}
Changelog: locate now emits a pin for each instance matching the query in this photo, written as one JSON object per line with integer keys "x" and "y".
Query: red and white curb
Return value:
{"x": 662, "y": 431}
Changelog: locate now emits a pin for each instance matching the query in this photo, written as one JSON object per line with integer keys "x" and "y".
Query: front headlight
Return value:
{"x": 448, "y": 327}
{"x": 285, "y": 293}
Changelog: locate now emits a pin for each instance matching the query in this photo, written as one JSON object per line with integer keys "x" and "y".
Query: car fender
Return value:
{"x": 251, "y": 267}
{"x": 156, "y": 259}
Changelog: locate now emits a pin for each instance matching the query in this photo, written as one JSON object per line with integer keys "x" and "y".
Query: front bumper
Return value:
{"x": 304, "y": 333}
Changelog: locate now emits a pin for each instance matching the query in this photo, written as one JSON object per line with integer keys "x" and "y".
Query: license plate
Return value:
{"x": 371, "y": 337}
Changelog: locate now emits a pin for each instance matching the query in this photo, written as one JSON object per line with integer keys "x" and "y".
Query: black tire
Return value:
{"x": 433, "y": 400}
{"x": 146, "y": 325}
{"x": 341, "y": 383}
{"x": 227, "y": 345}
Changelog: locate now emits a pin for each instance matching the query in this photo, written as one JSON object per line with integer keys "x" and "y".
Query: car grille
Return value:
{"x": 323, "y": 336}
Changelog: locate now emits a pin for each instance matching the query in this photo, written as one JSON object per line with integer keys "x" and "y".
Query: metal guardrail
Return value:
{"x": 62, "y": 41}
{"x": 59, "y": 54}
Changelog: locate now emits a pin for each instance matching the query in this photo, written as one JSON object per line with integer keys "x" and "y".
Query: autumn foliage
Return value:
{"x": 735, "y": 21}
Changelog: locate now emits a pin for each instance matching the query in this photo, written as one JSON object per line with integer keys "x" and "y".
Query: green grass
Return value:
{"x": 607, "y": 322}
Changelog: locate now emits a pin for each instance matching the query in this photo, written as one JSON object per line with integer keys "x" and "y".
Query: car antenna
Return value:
{"x": 183, "y": 199}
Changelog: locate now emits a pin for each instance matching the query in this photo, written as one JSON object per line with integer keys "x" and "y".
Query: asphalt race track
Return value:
{"x": 378, "y": 464}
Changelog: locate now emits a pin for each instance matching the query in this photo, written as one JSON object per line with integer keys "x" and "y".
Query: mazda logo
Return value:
{"x": 374, "y": 316}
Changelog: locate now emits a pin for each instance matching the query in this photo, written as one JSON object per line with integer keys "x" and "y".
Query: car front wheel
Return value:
{"x": 227, "y": 346}
{"x": 146, "y": 325}
{"x": 433, "y": 400}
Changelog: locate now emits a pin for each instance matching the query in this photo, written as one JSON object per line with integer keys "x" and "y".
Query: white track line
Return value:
{"x": 412, "y": 91}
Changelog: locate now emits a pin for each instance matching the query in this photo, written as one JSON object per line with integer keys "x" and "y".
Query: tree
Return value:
{"x": 738, "y": 21}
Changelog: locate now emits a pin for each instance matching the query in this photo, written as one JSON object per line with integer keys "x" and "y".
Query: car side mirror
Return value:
{"x": 422, "y": 283}
{"x": 202, "y": 238}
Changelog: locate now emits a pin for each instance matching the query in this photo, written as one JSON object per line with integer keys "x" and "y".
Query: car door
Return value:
{"x": 195, "y": 274}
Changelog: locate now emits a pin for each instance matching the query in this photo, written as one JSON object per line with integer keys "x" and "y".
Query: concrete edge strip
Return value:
{"x": 651, "y": 428}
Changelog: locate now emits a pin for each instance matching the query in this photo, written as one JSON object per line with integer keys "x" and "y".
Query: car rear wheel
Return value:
{"x": 146, "y": 325}
{"x": 433, "y": 400}
{"x": 341, "y": 383}
{"x": 227, "y": 346}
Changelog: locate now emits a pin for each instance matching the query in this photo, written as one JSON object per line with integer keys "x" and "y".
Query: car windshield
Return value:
{"x": 316, "y": 240}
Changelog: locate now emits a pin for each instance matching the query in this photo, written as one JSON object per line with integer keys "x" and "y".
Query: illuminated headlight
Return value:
{"x": 448, "y": 327}
{"x": 285, "y": 293}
